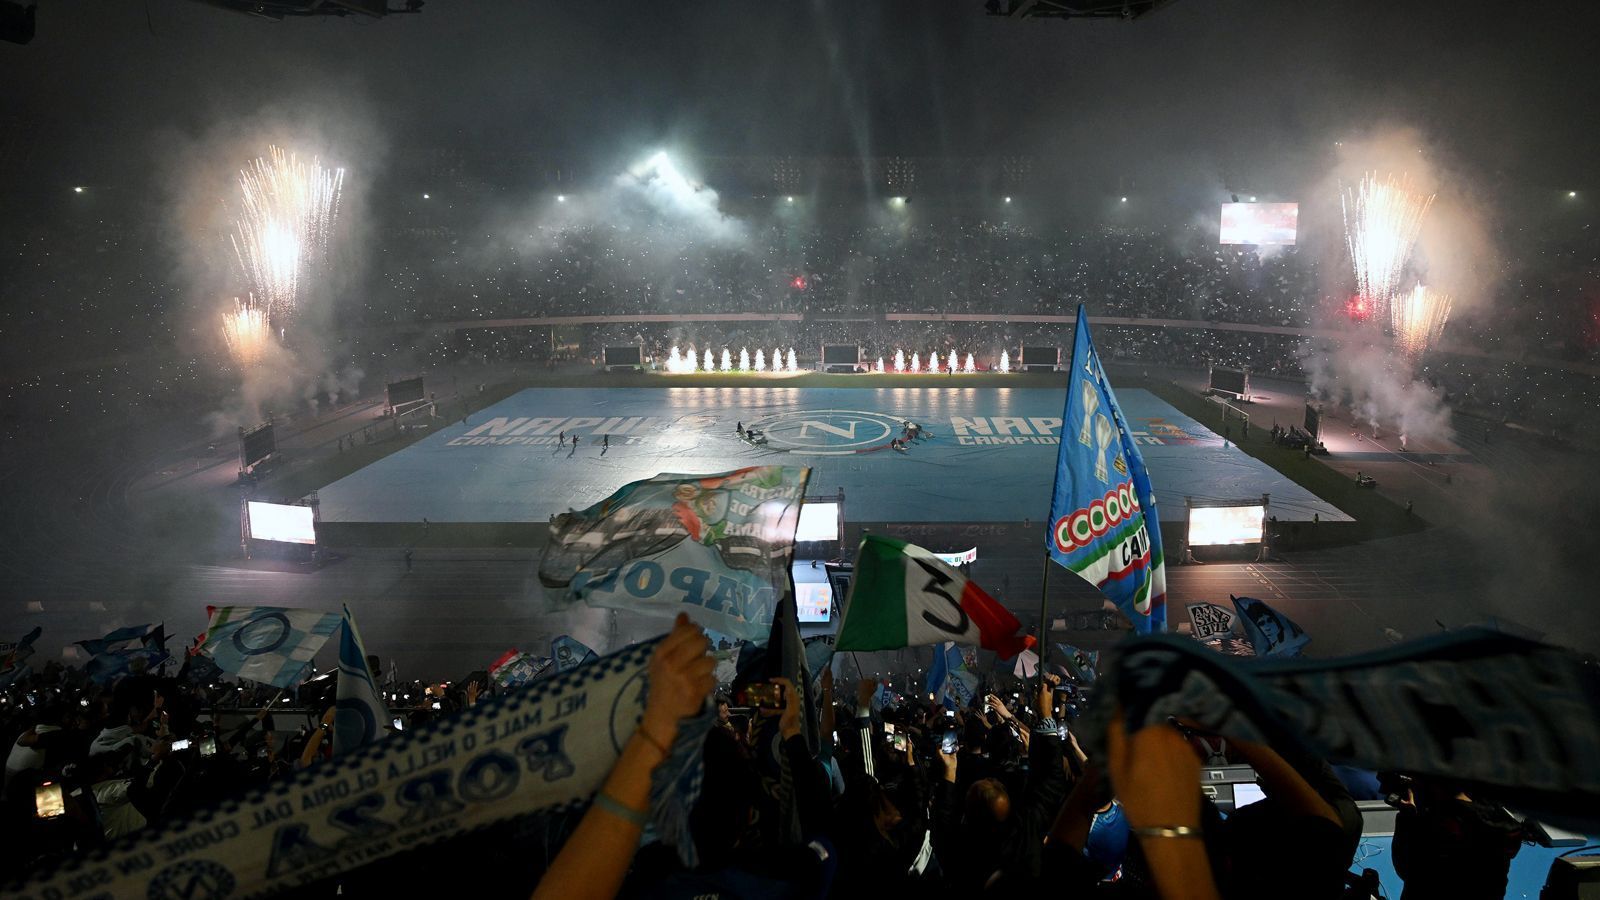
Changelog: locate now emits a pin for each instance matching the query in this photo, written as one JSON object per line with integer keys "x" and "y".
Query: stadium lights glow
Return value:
{"x": 425, "y": 196}
{"x": 77, "y": 190}
{"x": 1124, "y": 199}
{"x": 1008, "y": 199}
{"x": 561, "y": 198}
{"x": 788, "y": 199}
{"x": 1569, "y": 193}
{"x": 897, "y": 201}
{"x": 1252, "y": 199}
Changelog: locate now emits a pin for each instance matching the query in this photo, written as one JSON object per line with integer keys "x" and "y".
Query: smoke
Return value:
{"x": 1366, "y": 370}
{"x": 306, "y": 366}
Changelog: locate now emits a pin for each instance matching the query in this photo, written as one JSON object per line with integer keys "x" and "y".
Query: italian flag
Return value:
{"x": 903, "y": 596}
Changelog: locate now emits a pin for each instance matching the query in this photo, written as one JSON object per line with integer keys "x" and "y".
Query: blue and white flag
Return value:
{"x": 1270, "y": 632}
{"x": 717, "y": 547}
{"x": 270, "y": 644}
{"x": 133, "y": 650}
{"x": 1082, "y": 665}
{"x": 949, "y": 680}
{"x": 14, "y": 658}
{"x": 569, "y": 653}
{"x": 1103, "y": 522}
{"x": 360, "y": 716}
{"x": 547, "y": 748}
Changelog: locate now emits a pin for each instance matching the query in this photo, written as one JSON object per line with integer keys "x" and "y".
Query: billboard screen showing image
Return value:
{"x": 1260, "y": 223}
{"x": 281, "y": 522}
{"x": 813, "y": 597}
{"x": 840, "y": 354}
{"x": 1224, "y": 525}
{"x": 818, "y": 522}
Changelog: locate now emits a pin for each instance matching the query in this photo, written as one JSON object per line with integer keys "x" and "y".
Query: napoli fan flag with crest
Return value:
{"x": 1103, "y": 522}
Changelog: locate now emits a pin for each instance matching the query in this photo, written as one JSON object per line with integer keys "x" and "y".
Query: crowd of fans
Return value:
{"x": 877, "y": 793}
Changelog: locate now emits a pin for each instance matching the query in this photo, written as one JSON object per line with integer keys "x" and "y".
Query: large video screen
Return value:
{"x": 818, "y": 522}
{"x": 1040, "y": 356}
{"x": 1224, "y": 525}
{"x": 1230, "y": 380}
{"x": 840, "y": 354}
{"x": 623, "y": 356}
{"x": 281, "y": 522}
{"x": 1260, "y": 223}
{"x": 407, "y": 391}
{"x": 813, "y": 598}
{"x": 257, "y": 445}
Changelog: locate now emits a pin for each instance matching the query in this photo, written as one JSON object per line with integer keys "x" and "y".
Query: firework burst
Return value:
{"x": 247, "y": 333}
{"x": 1418, "y": 319}
{"x": 286, "y": 217}
{"x": 1381, "y": 223}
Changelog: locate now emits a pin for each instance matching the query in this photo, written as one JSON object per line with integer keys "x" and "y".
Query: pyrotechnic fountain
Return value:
{"x": 1005, "y": 362}
{"x": 969, "y": 368}
{"x": 744, "y": 359}
{"x": 1418, "y": 319}
{"x": 761, "y": 360}
{"x": 727, "y": 360}
{"x": 247, "y": 333}
{"x": 916, "y": 364}
{"x": 1381, "y": 223}
{"x": 792, "y": 366}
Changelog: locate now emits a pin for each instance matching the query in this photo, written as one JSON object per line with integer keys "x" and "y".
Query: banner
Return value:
{"x": 1516, "y": 721}
{"x": 516, "y": 668}
{"x": 965, "y": 558}
{"x": 716, "y": 546}
{"x": 547, "y": 748}
{"x": 949, "y": 680}
{"x": 569, "y": 652}
{"x": 14, "y": 657}
{"x": 1208, "y": 620}
{"x": 269, "y": 644}
{"x": 1103, "y": 516}
{"x": 361, "y": 716}
{"x": 1270, "y": 632}
{"x": 133, "y": 650}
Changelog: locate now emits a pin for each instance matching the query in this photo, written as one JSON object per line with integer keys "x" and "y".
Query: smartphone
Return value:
{"x": 836, "y": 737}
{"x": 949, "y": 714}
{"x": 48, "y": 802}
{"x": 398, "y": 724}
{"x": 764, "y": 696}
{"x": 438, "y": 705}
{"x": 181, "y": 745}
{"x": 899, "y": 742}
{"x": 208, "y": 746}
{"x": 888, "y": 728}
{"x": 949, "y": 742}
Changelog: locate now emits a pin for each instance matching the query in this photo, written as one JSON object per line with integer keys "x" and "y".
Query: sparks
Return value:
{"x": 286, "y": 217}
{"x": 1381, "y": 223}
{"x": 1418, "y": 319}
{"x": 247, "y": 333}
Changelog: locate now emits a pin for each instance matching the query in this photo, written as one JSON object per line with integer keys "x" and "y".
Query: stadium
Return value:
{"x": 328, "y": 357}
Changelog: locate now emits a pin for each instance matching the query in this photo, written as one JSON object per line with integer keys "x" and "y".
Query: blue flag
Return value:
{"x": 569, "y": 653}
{"x": 1270, "y": 632}
{"x": 14, "y": 658}
{"x": 1103, "y": 522}
{"x": 361, "y": 716}
{"x": 270, "y": 644}
{"x": 1082, "y": 665}
{"x": 134, "y": 650}
{"x": 950, "y": 681}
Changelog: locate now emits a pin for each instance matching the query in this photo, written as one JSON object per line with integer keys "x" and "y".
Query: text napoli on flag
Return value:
{"x": 569, "y": 652}
{"x": 269, "y": 644}
{"x": 1103, "y": 522}
{"x": 716, "y": 546}
{"x": 360, "y": 716}
{"x": 903, "y": 596}
{"x": 1270, "y": 632}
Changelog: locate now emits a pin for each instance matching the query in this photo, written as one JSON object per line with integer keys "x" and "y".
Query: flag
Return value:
{"x": 1511, "y": 721}
{"x": 546, "y": 749}
{"x": 903, "y": 596}
{"x": 1208, "y": 620}
{"x": 14, "y": 658}
{"x": 133, "y": 650}
{"x": 361, "y": 716}
{"x": 949, "y": 680}
{"x": 1082, "y": 665}
{"x": 819, "y": 653}
{"x": 1270, "y": 632}
{"x": 1103, "y": 516}
{"x": 716, "y": 546}
{"x": 269, "y": 644}
{"x": 569, "y": 653}
{"x": 515, "y": 668}
{"x": 1027, "y": 665}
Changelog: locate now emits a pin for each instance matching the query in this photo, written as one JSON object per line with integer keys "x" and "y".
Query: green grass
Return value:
{"x": 1375, "y": 515}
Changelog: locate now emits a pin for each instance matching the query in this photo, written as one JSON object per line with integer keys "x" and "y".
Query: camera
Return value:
{"x": 763, "y": 696}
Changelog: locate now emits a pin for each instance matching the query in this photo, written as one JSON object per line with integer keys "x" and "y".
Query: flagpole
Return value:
{"x": 1044, "y": 620}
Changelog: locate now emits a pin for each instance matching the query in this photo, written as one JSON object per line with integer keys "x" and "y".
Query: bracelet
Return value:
{"x": 631, "y": 816}
{"x": 1166, "y": 831}
{"x": 650, "y": 739}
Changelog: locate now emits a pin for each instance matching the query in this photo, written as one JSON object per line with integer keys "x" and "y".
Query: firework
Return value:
{"x": 247, "y": 333}
{"x": 1381, "y": 222}
{"x": 287, "y": 210}
{"x": 1418, "y": 319}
